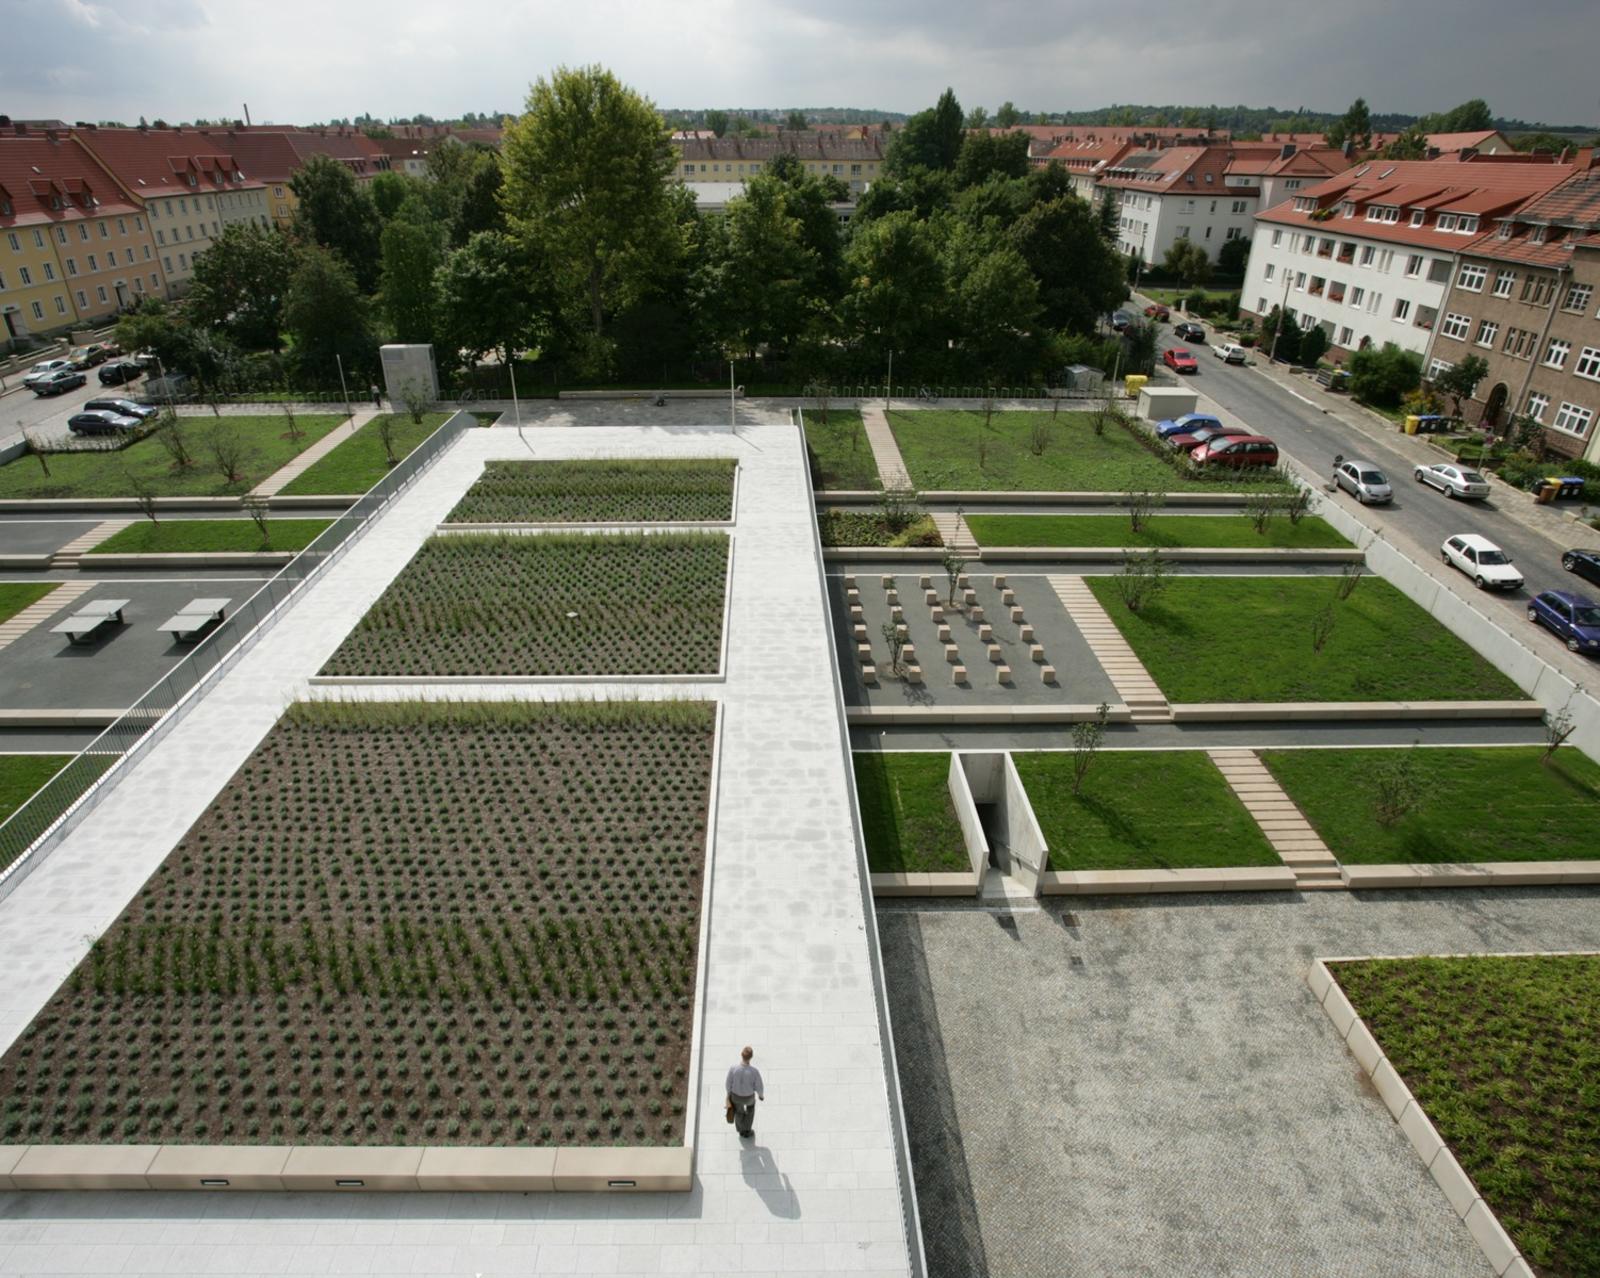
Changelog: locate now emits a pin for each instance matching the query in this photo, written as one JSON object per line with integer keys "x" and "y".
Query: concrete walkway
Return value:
{"x": 13, "y": 628}
{"x": 1290, "y": 834}
{"x": 70, "y": 554}
{"x": 954, "y": 532}
{"x": 284, "y": 475}
{"x": 1126, "y": 672}
{"x": 885, "y": 451}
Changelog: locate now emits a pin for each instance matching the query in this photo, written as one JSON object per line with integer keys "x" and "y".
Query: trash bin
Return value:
{"x": 1411, "y": 423}
{"x": 1571, "y": 487}
{"x": 1546, "y": 492}
{"x": 1134, "y": 383}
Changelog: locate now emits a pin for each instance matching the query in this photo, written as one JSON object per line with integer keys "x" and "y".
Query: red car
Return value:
{"x": 1236, "y": 451}
{"x": 1157, "y": 311}
{"x": 1180, "y": 361}
{"x": 1192, "y": 440}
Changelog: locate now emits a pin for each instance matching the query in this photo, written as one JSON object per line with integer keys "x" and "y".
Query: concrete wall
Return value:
{"x": 967, "y": 815}
{"x": 1029, "y": 856}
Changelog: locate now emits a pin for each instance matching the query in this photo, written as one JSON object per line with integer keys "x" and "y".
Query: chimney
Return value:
{"x": 1348, "y": 149}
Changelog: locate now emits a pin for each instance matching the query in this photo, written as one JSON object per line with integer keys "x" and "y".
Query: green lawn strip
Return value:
{"x": 841, "y": 458}
{"x": 198, "y": 536}
{"x": 360, "y": 462}
{"x": 118, "y": 472}
{"x": 1250, "y": 639}
{"x": 907, "y": 816}
{"x": 1502, "y": 1054}
{"x": 940, "y": 448}
{"x": 1170, "y": 296}
{"x": 17, "y": 595}
{"x": 1140, "y": 810}
{"x": 1228, "y": 531}
{"x": 22, "y": 774}
{"x": 1484, "y": 804}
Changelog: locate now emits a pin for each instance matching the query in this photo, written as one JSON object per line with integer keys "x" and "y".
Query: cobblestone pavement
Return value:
{"x": 1120, "y": 1087}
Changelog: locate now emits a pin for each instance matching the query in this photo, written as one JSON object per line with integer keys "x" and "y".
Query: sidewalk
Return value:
{"x": 885, "y": 452}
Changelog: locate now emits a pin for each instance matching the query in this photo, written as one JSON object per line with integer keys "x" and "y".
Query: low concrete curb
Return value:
{"x": 1471, "y": 874}
{"x": 312, "y": 501}
{"x": 198, "y": 559}
{"x": 129, "y": 505}
{"x": 1457, "y": 1186}
{"x": 1186, "y": 554}
{"x": 1243, "y": 878}
{"x": 926, "y": 884}
{"x": 648, "y": 394}
{"x": 859, "y": 716}
{"x": 1314, "y": 711}
{"x": 59, "y": 718}
{"x": 24, "y": 563}
{"x": 312, "y": 1168}
{"x": 892, "y": 554}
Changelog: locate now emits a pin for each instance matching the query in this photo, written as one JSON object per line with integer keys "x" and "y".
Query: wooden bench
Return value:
{"x": 83, "y": 625}
{"x": 196, "y": 620}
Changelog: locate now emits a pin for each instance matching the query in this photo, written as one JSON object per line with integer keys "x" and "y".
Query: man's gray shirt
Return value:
{"x": 745, "y": 1080}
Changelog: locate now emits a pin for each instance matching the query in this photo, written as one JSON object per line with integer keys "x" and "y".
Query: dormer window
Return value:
{"x": 1536, "y": 235}
{"x": 1468, "y": 224}
{"x": 1418, "y": 217}
{"x": 1447, "y": 221}
{"x": 1505, "y": 230}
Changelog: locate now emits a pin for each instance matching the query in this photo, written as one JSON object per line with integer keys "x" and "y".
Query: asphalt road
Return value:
{"x": 23, "y": 411}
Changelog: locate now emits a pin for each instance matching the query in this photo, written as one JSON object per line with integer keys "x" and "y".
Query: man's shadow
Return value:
{"x": 762, "y": 1175}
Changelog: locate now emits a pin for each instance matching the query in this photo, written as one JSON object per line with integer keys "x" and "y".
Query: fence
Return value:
{"x": 73, "y": 791}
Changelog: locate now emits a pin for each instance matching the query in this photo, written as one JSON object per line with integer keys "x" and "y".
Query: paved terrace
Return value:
{"x": 789, "y": 963}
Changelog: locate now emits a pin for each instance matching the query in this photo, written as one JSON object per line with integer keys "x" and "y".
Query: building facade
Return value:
{"x": 855, "y": 161}
{"x": 272, "y": 157}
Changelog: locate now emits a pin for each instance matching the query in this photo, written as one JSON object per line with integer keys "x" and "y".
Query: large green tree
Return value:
{"x": 930, "y": 139}
{"x": 1354, "y": 127}
{"x": 326, "y": 316}
{"x": 994, "y": 301}
{"x": 493, "y": 295}
{"x": 988, "y": 155}
{"x": 240, "y": 283}
{"x": 412, "y": 251}
{"x": 1080, "y": 275}
{"x": 586, "y": 170}
{"x": 1188, "y": 262}
{"x": 334, "y": 212}
{"x": 896, "y": 299}
{"x": 756, "y": 286}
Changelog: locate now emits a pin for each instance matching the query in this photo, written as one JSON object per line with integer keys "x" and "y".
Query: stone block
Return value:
{"x": 487, "y": 1170}
{"x": 925, "y": 581}
{"x": 1008, "y": 597}
{"x": 944, "y": 634}
{"x": 888, "y": 583}
{"x": 859, "y": 634}
{"x": 995, "y": 655}
{"x": 891, "y": 597}
{"x": 914, "y": 674}
{"x": 975, "y": 613}
{"x": 901, "y": 633}
{"x": 864, "y": 653}
{"x": 1486, "y": 1230}
{"x": 1420, "y": 1132}
{"x": 931, "y": 598}
{"x": 1017, "y": 617}
{"x": 849, "y": 582}
{"x": 897, "y": 614}
{"x": 852, "y": 597}
{"x": 1002, "y": 674}
{"x": 958, "y": 674}
{"x": 1027, "y": 634}
{"x": 1048, "y": 674}
{"x": 970, "y": 598}
{"x": 10, "y": 1156}
{"x": 937, "y": 612}
{"x": 1339, "y": 1011}
{"x": 1392, "y": 1089}
{"x": 856, "y": 614}
{"x": 869, "y": 676}
{"x": 218, "y": 1167}
{"x": 999, "y": 581}
{"x": 1456, "y": 1184}
{"x": 908, "y": 654}
{"x": 952, "y": 654}
{"x": 84, "y": 1167}
{"x": 963, "y": 582}
{"x": 1319, "y": 979}
{"x": 986, "y": 634}
{"x": 1036, "y": 651}
{"x": 1363, "y": 1046}
{"x": 329, "y": 1167}
{"x": 637, "y": 1169}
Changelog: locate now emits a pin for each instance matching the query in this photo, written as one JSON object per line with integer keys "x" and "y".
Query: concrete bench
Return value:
{"x": 85, "y": 623}
{"x": 196, "y": 620}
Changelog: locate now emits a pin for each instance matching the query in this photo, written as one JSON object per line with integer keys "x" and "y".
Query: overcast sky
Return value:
{"x": 304, "y": 60}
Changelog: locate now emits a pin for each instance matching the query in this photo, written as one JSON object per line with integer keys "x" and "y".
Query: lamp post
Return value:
{"x": 343, "y": 389}
{"x": 516, "y": 407}
{"x": 1283, "y": 316}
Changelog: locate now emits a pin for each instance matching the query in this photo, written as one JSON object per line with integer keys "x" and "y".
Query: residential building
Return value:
{"x": 1369, "y": 253}
{"x": 1525, "y": 298}
{"x": 1085, "y": 157}
{"x": 273, "y": 157}
{"x": 855, "y": 161}
{"x": 191, "y": 190}
{"x": 75, "y": 245}
{"x": 713, "y": 197}
{"x": 1179, "y": 193}
{"x": 1483, "y": 142}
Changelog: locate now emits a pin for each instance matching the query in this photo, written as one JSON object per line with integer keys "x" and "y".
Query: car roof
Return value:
{"x": 1584, "y": 552}
{"x": 1245, "y": 439}
{"x": 1570, "y": 597}
{"x": 1475, "y": 540}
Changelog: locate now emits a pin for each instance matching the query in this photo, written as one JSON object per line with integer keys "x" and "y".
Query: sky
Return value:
{"x": 296, "y": 61}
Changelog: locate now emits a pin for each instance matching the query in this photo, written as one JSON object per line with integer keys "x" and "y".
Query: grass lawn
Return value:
{"x": 194, "y": 536}
{"x": 1140, "y": 810}
{"x": 22, "y": 774}
{"x": 17, "y": 595}
{"x": 114, "y": 473}
{"x": 1162, "y": 530}
{"x": 940, "y": 448}
{"x": 906, "y": 814}
{"x": 358, "y": 463}
{"x": 841, "y": 458}
{"x": 1475, "y": 804}
{"x": 1502, "y": 1054}
{"x": 1170, "y": 296}
{"x": 1250, "y": 639}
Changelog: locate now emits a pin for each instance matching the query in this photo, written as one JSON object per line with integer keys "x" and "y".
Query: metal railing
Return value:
{"x": 72, "y": 792}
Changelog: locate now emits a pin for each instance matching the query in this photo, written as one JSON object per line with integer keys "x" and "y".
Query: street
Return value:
{"x": 21, "y": 411}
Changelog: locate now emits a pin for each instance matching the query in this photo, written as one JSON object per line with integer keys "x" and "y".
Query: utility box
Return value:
{"x": 1164, "y": 403}
{"x": 406, "y": 368}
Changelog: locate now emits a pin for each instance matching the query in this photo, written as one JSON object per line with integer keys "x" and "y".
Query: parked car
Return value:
{"x": 1121, "y": 320}
{"x": 42, "y": 370}
{"x": 1180, "y": 361}
{"x": 146, "y": 360}
{"x": 1574, "y": 619}
{"x": 1483, "y": 561}
{"x": 1189, "y": 331}
{"x": 1363, "y": 481}
{"x": 101, "y": 422}
{"x": 1236, "y": 451}
{"x": 1156, "y": 311}
{"x": 58, "y": 382}
{"x": 1586, "y": 563}
{"x": 1185, "y": 425}
{"x": 119, "y": 372}
{"x": 1230, "y": 353}
{"x": 172, "y": 386}
{"x": 1453, "y": 481}
{"x": 123, "y": 407}
{"x": 90, "y": 356}
{"x": 1188, "y": 443}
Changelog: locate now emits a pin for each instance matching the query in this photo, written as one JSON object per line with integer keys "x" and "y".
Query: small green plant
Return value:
{"x": 291, "y": 425}
{"x": 1038, "y": 435}
{"x": 385, "y": 424}
{"x": 898, "y": 509}
{"x": 1142, "y": 504}
{"x": 415, "y": 397}
{"x": 174, "y": 438}
{"x": 143, "y": 493}
{"x": 258, "y": 509}
{"x": 954, "y": 565}
{"x": 1322, "y": 623}
{"x": 1259, "y": 508}
{"x": 1087, "y": 736}
{"x": 1558, "y": 726}
{"x": 36, "y": 447}
{"x": 896, "y": 643}
{"x": 1398, "y": 789}
{"x": 1142, "y": 579}
{"x": 1297, "y": 505}
{"x": 227, "y": 450}
{"x": 1349, "y": 578}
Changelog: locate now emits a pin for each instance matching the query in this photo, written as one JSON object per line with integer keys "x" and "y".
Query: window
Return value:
{"x": 1261, "y": 306}
{"x": 1537, "y": 404}
{"x": 183, "y": 206}
{"x": 1414, "y": 264}
{"x": 277, "y": 192}
{"x": 1357, "y": 296}
{"x": 1367, "y": 254}
{"x": 138, "y": 224}
{"x": 1504, "y": 282}
{"x": 1488, "y": 330}
{"x": 1556, "y": 353}
{"x": 16, "y": 244}
{"x": 1588, "y": 364}
{"x": 190, "y": 230}
{"x": 1456, "y": 326}
{"x": 94, "y": 262}
{"x": 1277, "y": 238}
{"x": 167, "y": 262}
{"x": 1578, "y": 297}
{"x": 1439, "y": 366}
{"x": 161, "y": 236}
{"x": 49, "y": 271}
{"x": 122, "y": 226}
{"x": 154, "y": 283}
{"x": 1234, "y": 233}
{"x": 38, "y": 311}
{"x": 83, "y": 232}
{"x": 138, "y": 284}
{"x": 1471, "y": 278}
{"x": 105, "y": 231}
{"x": 1208, "y": 229}
{"x": 1520, "y": 343}
{"x": 27, "y": 279}
{"x": 1300, "y": 280}
{"x": 1418, "y": 216}
{"x": 1385, "y": 259}
{"x": 1373, "y": 303}
{"x": 1270, "y": 271}
{"x": 183, "y": 261}
{"x": 1439, "y": 270}
{"x": 111, "y": 257}
{"x": 147, "y": 252}
{"x": 72, "y": 266}
{"x": 102, "y": 292}
{"x": 1402, "y": 309}
{"x": 38, "y": 239}
{"x": 1570, "y": 418}
{"x": 1345, "y": 334}
{"x": 61, "y": 305}
{"x": 1183, "y": 232}
{"x": 1308, "y": 321}
{"x": 83, "y": 298}
{"x": 1538, "y": 290}
{"x": 1239, "y": 206}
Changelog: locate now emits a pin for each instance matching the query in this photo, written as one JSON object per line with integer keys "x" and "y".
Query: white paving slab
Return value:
{"x": 789, "y": 963}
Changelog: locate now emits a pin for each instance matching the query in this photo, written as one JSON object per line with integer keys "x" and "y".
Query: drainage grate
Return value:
{"x": 1076, "y": 960}
{"x": 1069, "y": 919}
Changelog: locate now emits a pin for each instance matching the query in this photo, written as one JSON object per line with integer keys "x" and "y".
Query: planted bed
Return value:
{"x": 1233, "y": 532}
{"x": 402, "y": 924}
{"x": 907, "y": 817}
{"x": 507, "y": 604}
{"x": 611, "y": 491}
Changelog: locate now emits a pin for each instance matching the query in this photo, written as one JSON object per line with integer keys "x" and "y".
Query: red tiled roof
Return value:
{"x": 276, "y": 156}
{"x": 1447, "y": 142}
{"x": 38, "y": 173}
{"x": 158, "y": 161}
{"x": 821, "y": 145}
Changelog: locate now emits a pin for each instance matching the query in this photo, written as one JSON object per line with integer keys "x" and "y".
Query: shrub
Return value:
{"x": 1383, "y": 375}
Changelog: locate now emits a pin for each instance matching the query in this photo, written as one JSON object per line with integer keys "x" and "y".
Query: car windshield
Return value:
{"x": 1586, "y": 615}
{"x": 1492, "y": 557}
{"x": 1181, "y": 355}
{"x": 1471, "y": 477}
{"x": 1373, "y": 477}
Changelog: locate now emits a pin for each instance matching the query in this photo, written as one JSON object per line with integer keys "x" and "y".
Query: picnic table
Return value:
{"x": 85, "y": 623}
{"x": 196, "y": 619}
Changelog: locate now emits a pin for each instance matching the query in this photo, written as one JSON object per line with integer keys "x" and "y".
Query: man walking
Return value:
{"x": 744, "y": 1085}
{"x": 377, "y": 396}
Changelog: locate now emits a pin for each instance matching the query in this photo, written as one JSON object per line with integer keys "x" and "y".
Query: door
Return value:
{"x": 1496, "y": 405}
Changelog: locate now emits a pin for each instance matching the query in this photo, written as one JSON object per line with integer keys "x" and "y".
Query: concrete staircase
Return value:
{"x": 1128, "y": 676}
{"x": 955, "y": 534}
{"x": 1290, "y": 834}
{"x": 70, "y": 555}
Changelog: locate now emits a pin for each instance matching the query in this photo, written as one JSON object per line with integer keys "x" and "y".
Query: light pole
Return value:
{"x": 1283, "y": 317}
{"x": 516, "y": 407}
{"x": 343, "y": 389}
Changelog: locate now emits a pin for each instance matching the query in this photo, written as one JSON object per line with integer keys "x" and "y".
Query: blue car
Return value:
{"x": 1186, "y": 425}
{"x": 1574, "y": 619}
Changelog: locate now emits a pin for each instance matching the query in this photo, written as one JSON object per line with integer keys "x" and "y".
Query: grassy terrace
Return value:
{"x": 1229, "y": 531}
{"x": 1474, "y": 804}
{"x": 197, "y": 536}
{"x": 360, "y": 462}
{"x": 1250, "y": 639}
{"x": 906, "y": 814}
{"x": 264, "y": 442}
{"x": 22, "y": 774}
{"x": 17, "y": 595}
{"x": 941, "y": 450}
{"x": 1140, "y": 810}
{"x": 561, "y": 603}
{"x": 402, "y": 924}
{"x": 1503, "y": 1054}
{"x": 685, "y": 490}
{"x": 841, "y": 458}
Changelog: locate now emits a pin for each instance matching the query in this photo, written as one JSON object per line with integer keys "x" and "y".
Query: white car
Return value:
{"x": 1363, "y": 481}
{"x": 1489, "y": 567}
{"x": 1453, "y": 481}
{"x": 41, "y": 371}
{"x": 1230, "y": 353}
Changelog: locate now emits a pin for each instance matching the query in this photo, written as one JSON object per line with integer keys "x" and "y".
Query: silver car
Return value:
{"x": 1453, "y": 481}
{"x": 1363, "y": 481}
{"x": 39, "y": 372}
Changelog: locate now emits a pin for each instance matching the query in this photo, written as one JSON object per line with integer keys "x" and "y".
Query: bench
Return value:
{"x": 197, "y": 618}
{"x": 83, "y": 625}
